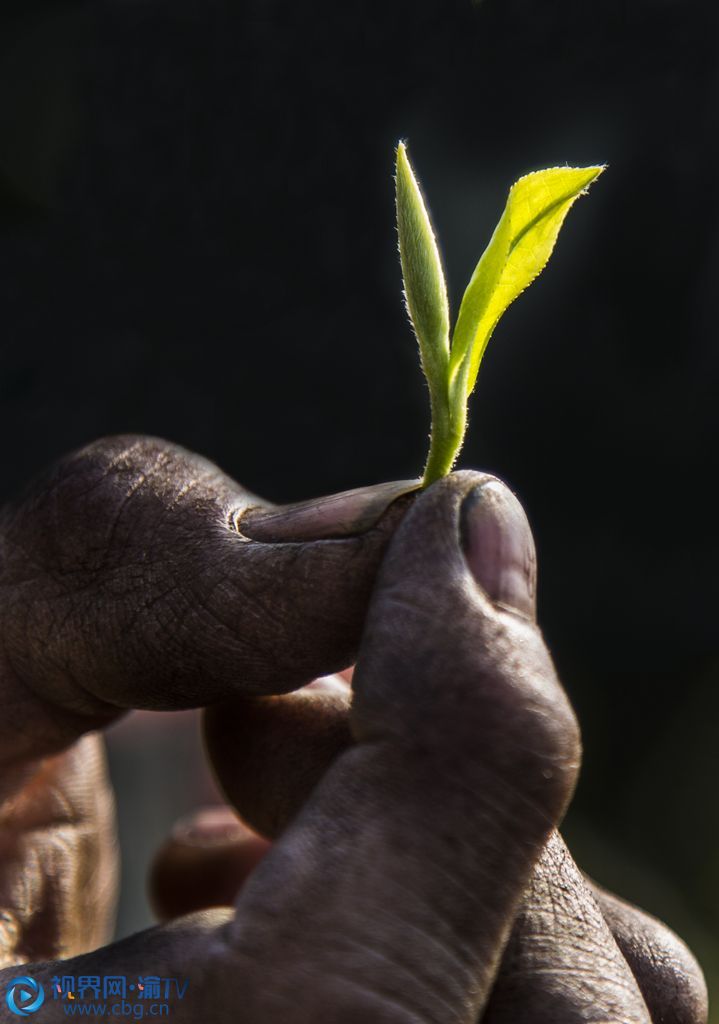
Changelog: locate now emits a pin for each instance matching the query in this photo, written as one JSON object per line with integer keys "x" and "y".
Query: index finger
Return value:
{"x": 131, "y": 580}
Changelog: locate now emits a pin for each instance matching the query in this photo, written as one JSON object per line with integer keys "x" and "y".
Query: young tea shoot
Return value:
{"x": 517, "y": 253}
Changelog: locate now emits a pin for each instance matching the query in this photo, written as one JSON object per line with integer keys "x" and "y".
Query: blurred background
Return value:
{"x": 197, "y": 241}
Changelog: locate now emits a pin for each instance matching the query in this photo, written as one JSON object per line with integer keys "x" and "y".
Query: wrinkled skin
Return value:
{"x": 415, "y": 874}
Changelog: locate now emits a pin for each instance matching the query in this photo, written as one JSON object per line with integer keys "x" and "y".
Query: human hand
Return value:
{"x": 422, "y": 836}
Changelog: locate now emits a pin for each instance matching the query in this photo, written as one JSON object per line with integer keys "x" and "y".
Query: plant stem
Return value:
{"x": 445, "y": 440}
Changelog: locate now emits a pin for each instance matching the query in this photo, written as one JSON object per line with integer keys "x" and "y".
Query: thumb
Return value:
{"x": 394, "y": 890}
{"x": 451, "y": 655}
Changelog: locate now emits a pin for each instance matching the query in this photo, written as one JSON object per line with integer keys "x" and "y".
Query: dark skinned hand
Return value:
{"x": 416, "y": 874}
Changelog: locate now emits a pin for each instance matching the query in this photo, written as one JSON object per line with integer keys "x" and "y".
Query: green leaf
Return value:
{"x": 424, "y": 286}
{"x": 425, "y": 289}
{"x": 518, "y": 251}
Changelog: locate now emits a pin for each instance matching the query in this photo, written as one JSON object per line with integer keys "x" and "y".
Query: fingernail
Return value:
{"x": 499, "y": 547}
{"x": 338, "y": 515}
{"x": 215, "y": 826}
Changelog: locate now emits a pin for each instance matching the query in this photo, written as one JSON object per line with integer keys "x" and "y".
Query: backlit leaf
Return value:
{"x": 518, "y": 251}
{"x": 424, "y": 285}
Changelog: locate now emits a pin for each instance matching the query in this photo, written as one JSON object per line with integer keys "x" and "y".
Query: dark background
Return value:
{"x": 197, "y": 241}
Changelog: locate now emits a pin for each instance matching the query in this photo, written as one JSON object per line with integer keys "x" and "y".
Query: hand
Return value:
{"x": 395, "y": 883}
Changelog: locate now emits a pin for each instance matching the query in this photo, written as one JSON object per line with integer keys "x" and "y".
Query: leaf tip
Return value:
{"x": 592, "y": 174}
{"x": 403, "y": 168}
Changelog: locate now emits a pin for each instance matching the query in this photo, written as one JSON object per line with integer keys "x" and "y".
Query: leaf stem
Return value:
{"x": 445, "y": 441}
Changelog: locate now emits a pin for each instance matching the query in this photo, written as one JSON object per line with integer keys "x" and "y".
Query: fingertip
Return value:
{"x": 204, "y": 863}
{"x": 472, "y": 521}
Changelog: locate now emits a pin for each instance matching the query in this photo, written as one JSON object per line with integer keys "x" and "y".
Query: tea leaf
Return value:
{"x": 425, "y": 289}
{"x": 517, "y": 253}
{"x": 424, "y": 286}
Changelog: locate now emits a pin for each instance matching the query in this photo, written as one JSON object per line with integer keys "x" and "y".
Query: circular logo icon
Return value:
{"x": 24, "y": 996}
